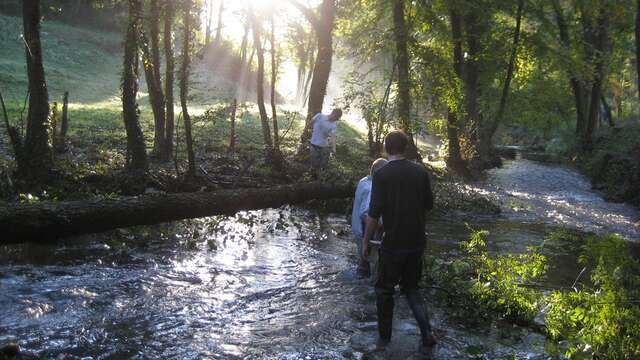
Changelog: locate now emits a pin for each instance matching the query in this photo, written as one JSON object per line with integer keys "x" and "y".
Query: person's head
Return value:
{"x": 336, "y": 114}
{"x": 377, "y": 164}
{"x": 395, "y": 143}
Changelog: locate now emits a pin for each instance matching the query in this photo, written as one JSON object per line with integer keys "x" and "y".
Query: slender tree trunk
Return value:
{"x": 404, "y": 81}
{"x": 454, "y": 158}
{"x": 507, "y": 81}
{"x": 156, "y": 98}
{"x": 169, "y": 79}
{"x": 219, "y": 28}
{"x": 207, "y": 37}
{"x": 136, "y": 150}
{"x": 576, "y": 85}
{"x": 264, "y": 119}
{"x": 274, "y": 78}
{"x": 232, "y": 134}
{"x": 638, "y": 45}
{"x": 607, "y": 111}
{"x": 36, "y": 152}
{"x": 64, "y": 125}
{"x": 473, "y": 32}
{"x": 184, "y": 86}
{"x": 601, "y": 38}
{"x": 158, "y": 101}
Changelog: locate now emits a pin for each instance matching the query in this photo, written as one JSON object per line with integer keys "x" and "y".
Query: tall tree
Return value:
{"x": 35, "y": 150}
{"x": 169, "y": 14}
{"x": 638, "y": 45}
{"x": 274, "y": 79}
{"x": 264, "y": 119}
{"x": 217, "y": 39}
{"x": 151, "y": 51}
{"x": 404, "y": 84}
{"x": 207, "y": 37}
{"x": 454, "y": 158}
{"x": 136, "y": 151}
{"x": 184, "y": 84}
{"x": 322, "y": 25}
{"x": 492, "y": 127}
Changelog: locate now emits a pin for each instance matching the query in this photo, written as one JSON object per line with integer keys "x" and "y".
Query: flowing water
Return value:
{"x": 273, "y": 284}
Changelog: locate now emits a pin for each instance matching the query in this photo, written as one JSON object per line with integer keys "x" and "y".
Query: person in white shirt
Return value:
{"x": 323, "y": 139}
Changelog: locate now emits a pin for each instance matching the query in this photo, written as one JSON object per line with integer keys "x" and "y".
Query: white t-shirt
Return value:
{"x": 322, "y": 129}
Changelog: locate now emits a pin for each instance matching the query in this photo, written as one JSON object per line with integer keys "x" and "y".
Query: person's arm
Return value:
{"x": 333, "y": 140}
{"x": 375, "y": 210}
{"x": 369, "y": 229}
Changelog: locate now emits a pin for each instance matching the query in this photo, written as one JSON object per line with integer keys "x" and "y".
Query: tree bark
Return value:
{"x": 576, "y": 85}
{"x": 36, "y": 152}
{"x": 158, "y": 101}
{"x": 471, "y": 75}
{"x": 45, "y": 222}
{"x": 274, "y": 78}
{"x": 184, "y": 87}
{"x": 264, "y": 119}
{"x": 638, "y": 45}
{"x": 156, "y": 98}
{"x": 216, "y": 41}
{"x": 169, "y": 79}
{"x": 507, "y": 81}
{"x": 232, "y": 134}
{"x": 64, "y": 125}
{"x": 607, "y": 111}
{"x": 454, "y": 158}
{"x": 600, "y": 44}
{"x": 136, "y": 151}
{"x": 404, "y": 81}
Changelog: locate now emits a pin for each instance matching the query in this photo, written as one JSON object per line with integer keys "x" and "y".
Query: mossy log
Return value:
{"x": 48, "y": 221}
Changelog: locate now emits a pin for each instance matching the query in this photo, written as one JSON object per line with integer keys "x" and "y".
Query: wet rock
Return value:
{"x": 12, "y": 351}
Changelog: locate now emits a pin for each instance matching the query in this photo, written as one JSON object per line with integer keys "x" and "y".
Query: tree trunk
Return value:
{"x": 454, "y": 158}
{"x": 157, "y": 100}
{"x": 507, "y": 81}
{"x": 219, "y": 28}
{"x": 232, "y": 134}
{"x": 64, "y": 125}
{"x": 323, "y": 26}
{"x": 479, "y": 150}
{"x": 136, "y": 150}
{"x": 607, "y": 111}
{"x": 184, "y": 87}
{"x": 46, "y": 222}
{"x": 264, "y": 119}
{"x": 36, "y": 152}
{"x": 576, "y": 85}
{"x": 169, "y": 79}
{"x": 638, "y": 44}
{"x": 600, "y": 45}
{"x": 404, "y": 82}
{"x": 274, "y": 78}
{"x": 207, "y": 36}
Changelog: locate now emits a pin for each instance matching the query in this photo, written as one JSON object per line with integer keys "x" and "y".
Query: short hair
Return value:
{"x": 395, "y": 143}
{"x": 337, "y": 111}
{"x": 377, "y": 164}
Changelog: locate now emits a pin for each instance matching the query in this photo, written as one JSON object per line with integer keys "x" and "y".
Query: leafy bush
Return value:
{"x": 499, "y": 282}
{"x": 601, "y": 320}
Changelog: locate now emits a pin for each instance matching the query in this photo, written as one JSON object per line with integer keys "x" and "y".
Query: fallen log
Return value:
{"x": 48, "y": 221}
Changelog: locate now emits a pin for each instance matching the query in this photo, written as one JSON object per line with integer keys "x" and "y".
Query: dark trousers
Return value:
{"x": 406, "y": 270}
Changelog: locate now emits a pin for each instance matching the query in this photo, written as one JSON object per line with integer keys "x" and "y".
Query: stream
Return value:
{"x": 276, "y": 283}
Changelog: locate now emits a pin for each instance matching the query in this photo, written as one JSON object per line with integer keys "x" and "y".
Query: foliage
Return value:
{"x": 601, "y": 319}
{"x": 499, "y": 282}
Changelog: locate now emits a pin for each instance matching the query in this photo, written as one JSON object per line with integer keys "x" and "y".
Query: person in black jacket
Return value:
{"x": 401, "y": 194}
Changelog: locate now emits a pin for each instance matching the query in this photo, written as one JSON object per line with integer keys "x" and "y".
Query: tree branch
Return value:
{"x": 308, "y": 13}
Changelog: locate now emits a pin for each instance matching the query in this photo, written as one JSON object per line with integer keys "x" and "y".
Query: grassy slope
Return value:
{"x": 88, "y": 64}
